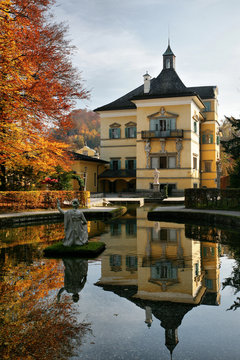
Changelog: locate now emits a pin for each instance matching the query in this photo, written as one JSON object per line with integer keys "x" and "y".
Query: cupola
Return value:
{"x": 168, "y": 59}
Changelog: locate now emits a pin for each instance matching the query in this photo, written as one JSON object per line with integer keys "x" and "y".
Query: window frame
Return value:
{"x": 114, "y": 167}
{"x": 127, "y": 164}
{"x": 114, "y": 133}
{"x": 195, "y": 162}
{"x": 158, "y": 161}
{"x": 206, "y": 164}
{"x": 128, "y": 130}
{"x": 207, "y": 138}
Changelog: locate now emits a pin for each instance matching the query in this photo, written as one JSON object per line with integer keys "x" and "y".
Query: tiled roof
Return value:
{"x": 82, "y": 157}
{"x": 166, "y": 84}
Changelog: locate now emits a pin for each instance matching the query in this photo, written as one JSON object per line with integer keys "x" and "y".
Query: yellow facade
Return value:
{"x": 162, "y": 125}
{"x": 88, "y": 169}
{"x": 162, "y": 267}
{"x": 166, "y": 265}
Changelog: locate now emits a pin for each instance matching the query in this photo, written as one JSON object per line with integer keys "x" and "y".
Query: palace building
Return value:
{"x": 161, "y": 125}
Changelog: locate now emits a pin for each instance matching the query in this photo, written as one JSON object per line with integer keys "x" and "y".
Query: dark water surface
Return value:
{"x": 159, "y": 290}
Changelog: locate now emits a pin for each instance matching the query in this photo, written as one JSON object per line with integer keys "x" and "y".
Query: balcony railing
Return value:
{"x": 147, "y": 134}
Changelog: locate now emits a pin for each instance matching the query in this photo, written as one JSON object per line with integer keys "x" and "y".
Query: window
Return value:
{"x": 209, "y": 284}
{"x": 208, "y": 251}
{"x": 115, "y": 164}
{"x": 130, "y": 132}
{"x": 164, "y": 235}
{"x": 218, "y": 139}
{"x": 196, "y": 269}
{"x": 154, "y": 162}
{"x": 115, "y": 133}
{"x": 163, "y": 162}
{"x": 163, "y": 124}
{"x": 207, "y": 139}
{"x": 131, "y": 228}
{"x": 207, "y": 106}
{"x": 195, "y": 126}
{"x": 168, "y": 63}
{"x": 130, "y": 164}
{"x": 115, "y": 229}
{"x": 163, "y": 270}
{"x": 195, "y": 185}
{"x": 115, "y": 262}
{"x": 131, "y": 263}
{"x": 195, "y": 162}
{"x": 172, "y": 162}
{"x": 208, "y": 166}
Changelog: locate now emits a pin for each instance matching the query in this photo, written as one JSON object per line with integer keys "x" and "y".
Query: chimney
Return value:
{"x": 147, "y": 80}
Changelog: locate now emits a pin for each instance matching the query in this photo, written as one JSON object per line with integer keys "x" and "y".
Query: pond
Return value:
{"x": 160, "y": 290}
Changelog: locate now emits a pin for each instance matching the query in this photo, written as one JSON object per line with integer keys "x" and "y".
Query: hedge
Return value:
{"x": 228, "y": 199}
{"x": 21, "y": 200}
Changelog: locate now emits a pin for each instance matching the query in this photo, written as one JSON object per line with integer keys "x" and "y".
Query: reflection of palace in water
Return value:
{"x": 156, "y": 266}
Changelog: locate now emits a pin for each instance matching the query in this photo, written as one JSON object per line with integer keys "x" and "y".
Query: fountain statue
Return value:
{"x": 75, "y": 225}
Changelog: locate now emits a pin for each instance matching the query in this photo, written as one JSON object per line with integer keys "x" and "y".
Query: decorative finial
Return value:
{"x": 168, "y": 35}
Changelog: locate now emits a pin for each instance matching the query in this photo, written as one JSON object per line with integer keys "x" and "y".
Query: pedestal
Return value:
{"x": 156, "y": 188}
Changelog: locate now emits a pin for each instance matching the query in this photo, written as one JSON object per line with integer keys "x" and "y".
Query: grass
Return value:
{"x": 91, "y": 249}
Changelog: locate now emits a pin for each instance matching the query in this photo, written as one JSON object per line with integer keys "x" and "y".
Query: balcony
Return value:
{"x": 148, "y": 134}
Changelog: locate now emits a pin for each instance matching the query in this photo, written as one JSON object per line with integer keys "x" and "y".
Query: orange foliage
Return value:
{"x": 20, "y": 200}
{"x": 37, "y": 234}
{"x": 38, "y": 86}
{"x": 34, "y": 325}
{"x": 85, "y": 128}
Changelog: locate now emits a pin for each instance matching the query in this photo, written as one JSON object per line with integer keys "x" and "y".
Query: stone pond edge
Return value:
{"x": 194, "y": 216}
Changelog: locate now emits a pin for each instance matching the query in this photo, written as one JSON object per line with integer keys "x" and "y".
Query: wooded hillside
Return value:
{"x": 85, "y": 128}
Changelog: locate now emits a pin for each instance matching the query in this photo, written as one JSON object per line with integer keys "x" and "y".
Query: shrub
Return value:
{"x": 21, "y": 200}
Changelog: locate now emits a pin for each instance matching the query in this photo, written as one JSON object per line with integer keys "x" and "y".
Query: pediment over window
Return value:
{"x": 130, "y": 124}
{"x": 162, "y": 114}
{"x": 115, "y": 125}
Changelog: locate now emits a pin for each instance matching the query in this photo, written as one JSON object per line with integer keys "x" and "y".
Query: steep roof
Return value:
{"x": 166, "y": 84}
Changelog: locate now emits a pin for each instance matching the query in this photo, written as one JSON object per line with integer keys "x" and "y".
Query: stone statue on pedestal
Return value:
{"x": 156, "y": 177}
{"x": 75, "y": 225}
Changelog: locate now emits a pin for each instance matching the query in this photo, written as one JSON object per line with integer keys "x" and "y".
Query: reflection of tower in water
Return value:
{"x": 172, "y": 272}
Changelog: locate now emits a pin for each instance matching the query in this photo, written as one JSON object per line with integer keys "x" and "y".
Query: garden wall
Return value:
{"x": 228, "y": 199}
{"x": 21, "y": 200}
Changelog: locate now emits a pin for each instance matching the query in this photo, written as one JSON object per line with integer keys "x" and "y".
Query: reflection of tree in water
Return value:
{"x": 234, "y": 282}
{"x": 75, "y": 276}
{"x": 33, "y": 324}
{"x": 232, "y": 240}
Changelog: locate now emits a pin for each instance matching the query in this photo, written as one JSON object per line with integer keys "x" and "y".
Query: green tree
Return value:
{"x": 232, "y": 147}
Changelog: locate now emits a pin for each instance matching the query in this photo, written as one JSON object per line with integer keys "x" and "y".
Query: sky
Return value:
{"x": 117, "y": 41}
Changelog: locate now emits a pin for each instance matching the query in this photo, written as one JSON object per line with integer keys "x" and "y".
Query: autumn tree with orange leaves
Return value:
{"x": 38, "y": 87}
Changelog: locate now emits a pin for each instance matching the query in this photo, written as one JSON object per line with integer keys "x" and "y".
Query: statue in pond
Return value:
{"x": 75, "y": 225}
{"x": 75, "y": 276}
